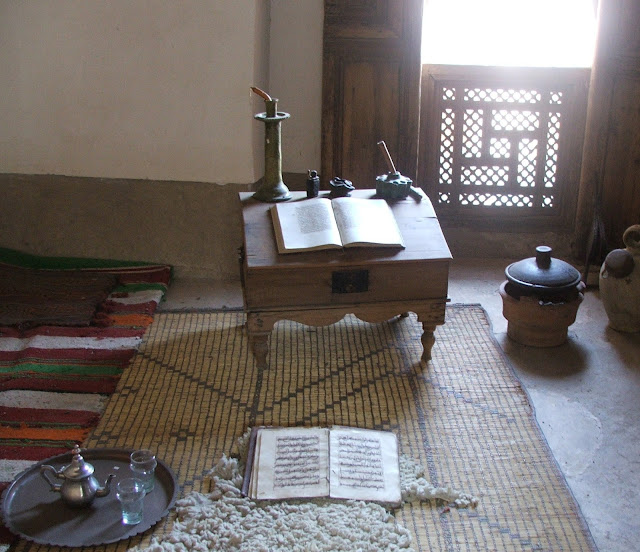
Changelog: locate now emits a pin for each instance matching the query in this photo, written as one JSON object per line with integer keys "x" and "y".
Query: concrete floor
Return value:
{"x": 586, "y": 393}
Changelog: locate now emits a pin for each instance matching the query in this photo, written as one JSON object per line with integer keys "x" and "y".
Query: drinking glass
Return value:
{"x": 143, "y": 464}
{"x": 130, "y": 493}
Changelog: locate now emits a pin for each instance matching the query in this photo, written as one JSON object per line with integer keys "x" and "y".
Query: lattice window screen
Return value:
{"x": 498, "y": 147}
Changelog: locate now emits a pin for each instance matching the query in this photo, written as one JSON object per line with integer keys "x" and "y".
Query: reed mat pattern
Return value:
{"x": 193, "y": 389}
{"x": 73, "y": 325}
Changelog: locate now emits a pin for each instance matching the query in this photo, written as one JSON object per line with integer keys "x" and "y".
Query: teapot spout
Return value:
{"x": 104, "y": 491}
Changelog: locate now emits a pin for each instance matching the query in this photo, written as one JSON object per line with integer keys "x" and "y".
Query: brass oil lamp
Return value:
{"x": 273, "y": 189}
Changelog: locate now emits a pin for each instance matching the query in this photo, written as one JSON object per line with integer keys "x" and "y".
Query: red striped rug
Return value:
{"x": 55, "y": 380}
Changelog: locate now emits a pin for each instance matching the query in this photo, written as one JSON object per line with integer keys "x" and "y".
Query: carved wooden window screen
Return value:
{"x": 504, "y": 148}
{"x": 508, "y": 147}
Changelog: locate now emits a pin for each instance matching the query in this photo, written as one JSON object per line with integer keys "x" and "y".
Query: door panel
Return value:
{"x": 371, "y": 88}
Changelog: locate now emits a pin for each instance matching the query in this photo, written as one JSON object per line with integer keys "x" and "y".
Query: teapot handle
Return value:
{"x": 44, "y": 471}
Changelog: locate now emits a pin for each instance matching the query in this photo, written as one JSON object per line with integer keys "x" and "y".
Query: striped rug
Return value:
{"x": 55, "y": 380}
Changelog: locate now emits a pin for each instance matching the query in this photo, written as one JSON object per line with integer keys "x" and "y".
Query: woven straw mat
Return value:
{"x": 193, "y": 389}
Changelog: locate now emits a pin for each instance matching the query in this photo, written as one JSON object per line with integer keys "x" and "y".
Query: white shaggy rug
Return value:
{"x": 225, "y": 520}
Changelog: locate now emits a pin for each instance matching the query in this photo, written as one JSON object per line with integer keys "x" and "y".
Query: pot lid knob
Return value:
{"x": 543, "y": 256}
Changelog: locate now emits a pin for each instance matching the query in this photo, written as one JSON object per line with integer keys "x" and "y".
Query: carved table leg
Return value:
{"x": 260, "y": 348}
{"x": 428, "y": 339}
{"x": 259, "y": 330}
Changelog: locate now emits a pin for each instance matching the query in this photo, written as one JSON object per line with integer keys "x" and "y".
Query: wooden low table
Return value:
{"x": 318, "y": 288}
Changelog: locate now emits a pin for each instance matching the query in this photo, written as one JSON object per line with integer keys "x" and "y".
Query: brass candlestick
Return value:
{"x": 273, "y": 188}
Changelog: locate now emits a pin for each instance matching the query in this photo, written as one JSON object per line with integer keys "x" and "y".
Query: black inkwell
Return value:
{"x": 313, "y": 184}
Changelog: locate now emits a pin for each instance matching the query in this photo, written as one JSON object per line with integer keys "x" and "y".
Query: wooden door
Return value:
{"x": 371, "y": 88}
{"x": 610, "y": 178}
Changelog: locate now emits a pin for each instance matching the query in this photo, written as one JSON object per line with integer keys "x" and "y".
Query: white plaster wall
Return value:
{"x": 150, "y": 99}
{"x": 295, "y": 66}
{"x": 131, "y": 89}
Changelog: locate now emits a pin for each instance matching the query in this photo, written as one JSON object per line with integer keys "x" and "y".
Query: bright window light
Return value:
{"x": 524, "y": 33}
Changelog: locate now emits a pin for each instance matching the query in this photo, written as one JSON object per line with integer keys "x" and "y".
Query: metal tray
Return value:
{"x": 31, "y": 510}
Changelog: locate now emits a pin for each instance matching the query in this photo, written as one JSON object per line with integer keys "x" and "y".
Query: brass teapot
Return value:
{"x": 79, "y": 486}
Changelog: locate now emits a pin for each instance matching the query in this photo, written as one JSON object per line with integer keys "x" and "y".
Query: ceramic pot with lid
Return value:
{"x": 540, "y": 299}
{"x": 544, "y": 277}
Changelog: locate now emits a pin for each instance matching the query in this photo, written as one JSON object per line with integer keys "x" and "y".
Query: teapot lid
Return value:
{"x": 78, "y": 469}
{"x": 543, "y": 272}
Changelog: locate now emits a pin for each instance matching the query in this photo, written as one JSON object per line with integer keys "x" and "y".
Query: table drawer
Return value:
{"x": 309, "y": 287}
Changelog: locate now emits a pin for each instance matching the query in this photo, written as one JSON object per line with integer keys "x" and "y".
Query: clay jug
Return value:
{"x": 620, "y": 283}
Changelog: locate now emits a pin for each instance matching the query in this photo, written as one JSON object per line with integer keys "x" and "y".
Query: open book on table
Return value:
{"x": 336, "y": 462}
{"x": 321, "y": 223}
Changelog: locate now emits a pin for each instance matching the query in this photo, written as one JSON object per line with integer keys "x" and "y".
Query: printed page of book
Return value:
{"x": 366, "y": 222}
{"x": 364, "y": 465}
{"x": 305, "y": 225}
{"x": 292, "y": 462}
